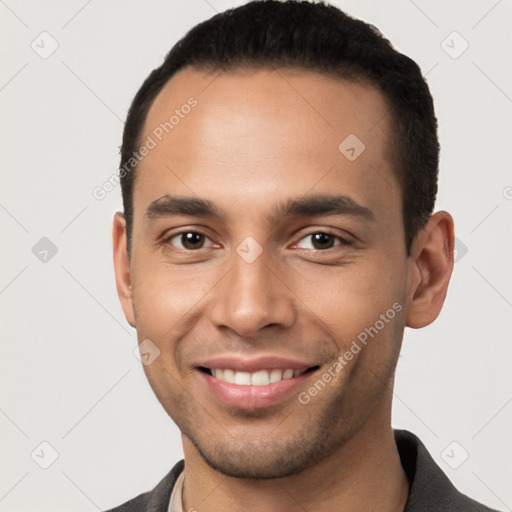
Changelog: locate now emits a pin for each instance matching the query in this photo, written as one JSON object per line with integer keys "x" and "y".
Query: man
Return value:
{"x": 279, "y": 173}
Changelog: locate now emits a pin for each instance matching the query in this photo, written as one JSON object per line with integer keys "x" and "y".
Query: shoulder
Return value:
{"x": 430, "y": 488}
{"x": 155, "y": 500}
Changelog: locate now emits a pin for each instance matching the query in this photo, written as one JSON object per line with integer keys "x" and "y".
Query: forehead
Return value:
{"x": 263, "y": 133}
{"x": 325, "y": 103}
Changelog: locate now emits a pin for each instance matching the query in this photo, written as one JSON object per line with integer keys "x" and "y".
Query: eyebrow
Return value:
{"x": 172, "y": 205}
{"x": 314, "y": 205}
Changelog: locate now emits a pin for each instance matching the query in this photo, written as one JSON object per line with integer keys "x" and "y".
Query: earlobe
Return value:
{"x": 431, "y": 269}
{"x": 122, "y": 267}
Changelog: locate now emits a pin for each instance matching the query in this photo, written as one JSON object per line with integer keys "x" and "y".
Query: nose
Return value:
{"x": 252, "y": 297}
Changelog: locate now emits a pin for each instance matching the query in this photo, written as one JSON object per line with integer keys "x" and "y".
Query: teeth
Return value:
{"x": 242, "y": 378}
{"x": 276, "y": 375}
{"x": 229, "y": 376}
{"x": 258, "y": 378}
{"x": 287, "y": 374}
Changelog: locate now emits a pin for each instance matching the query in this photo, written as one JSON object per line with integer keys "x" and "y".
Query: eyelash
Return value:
{"x": 167, "y": 240}
{"x": 343, "y": 241}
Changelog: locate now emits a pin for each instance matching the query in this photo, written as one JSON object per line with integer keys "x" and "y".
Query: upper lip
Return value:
{"x": 240, "y": 363}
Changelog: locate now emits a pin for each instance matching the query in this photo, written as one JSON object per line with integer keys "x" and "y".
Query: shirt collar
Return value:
{"x": 175, "y": 503}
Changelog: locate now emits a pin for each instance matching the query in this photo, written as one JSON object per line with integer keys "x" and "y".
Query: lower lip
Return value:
{"x": 253, "y": 397}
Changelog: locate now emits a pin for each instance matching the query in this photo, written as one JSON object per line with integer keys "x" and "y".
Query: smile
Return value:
{"x": 253, "y": 387}
{"x": 258, "y": 378}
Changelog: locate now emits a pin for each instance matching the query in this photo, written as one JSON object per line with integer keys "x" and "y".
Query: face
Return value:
{"x": 268, "y": 264}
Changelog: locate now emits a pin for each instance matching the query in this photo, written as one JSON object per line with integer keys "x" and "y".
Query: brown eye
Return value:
{"x": 187, "y": 240}
{"x": 321, "y": 240}
{"x": 192, "y": 240}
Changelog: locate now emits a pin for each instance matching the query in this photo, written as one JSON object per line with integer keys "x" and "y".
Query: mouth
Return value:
{"x": 262, "y": 377}
{"x": 253, "y": 385}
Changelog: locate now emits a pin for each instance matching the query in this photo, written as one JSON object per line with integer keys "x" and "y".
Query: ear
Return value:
{"x": 122, "y": 267}
{"x": 430, "y": 271}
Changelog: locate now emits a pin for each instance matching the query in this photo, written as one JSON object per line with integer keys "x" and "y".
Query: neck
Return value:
{"x": 364, "y": 474}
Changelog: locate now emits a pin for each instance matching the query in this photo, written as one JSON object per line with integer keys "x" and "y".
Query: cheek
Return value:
{"x": 165, "y": 295}
{"x": 348, "y": 299}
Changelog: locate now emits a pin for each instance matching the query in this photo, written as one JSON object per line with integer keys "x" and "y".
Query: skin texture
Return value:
{"x": 255, "y": 139}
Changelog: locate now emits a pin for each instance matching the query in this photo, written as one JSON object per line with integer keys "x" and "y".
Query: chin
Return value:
{"x": 259, "y": 467}
{"x": 273, "y": 458}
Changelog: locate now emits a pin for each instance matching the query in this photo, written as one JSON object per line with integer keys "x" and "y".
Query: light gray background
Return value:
{"x": 67, "y": 369}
